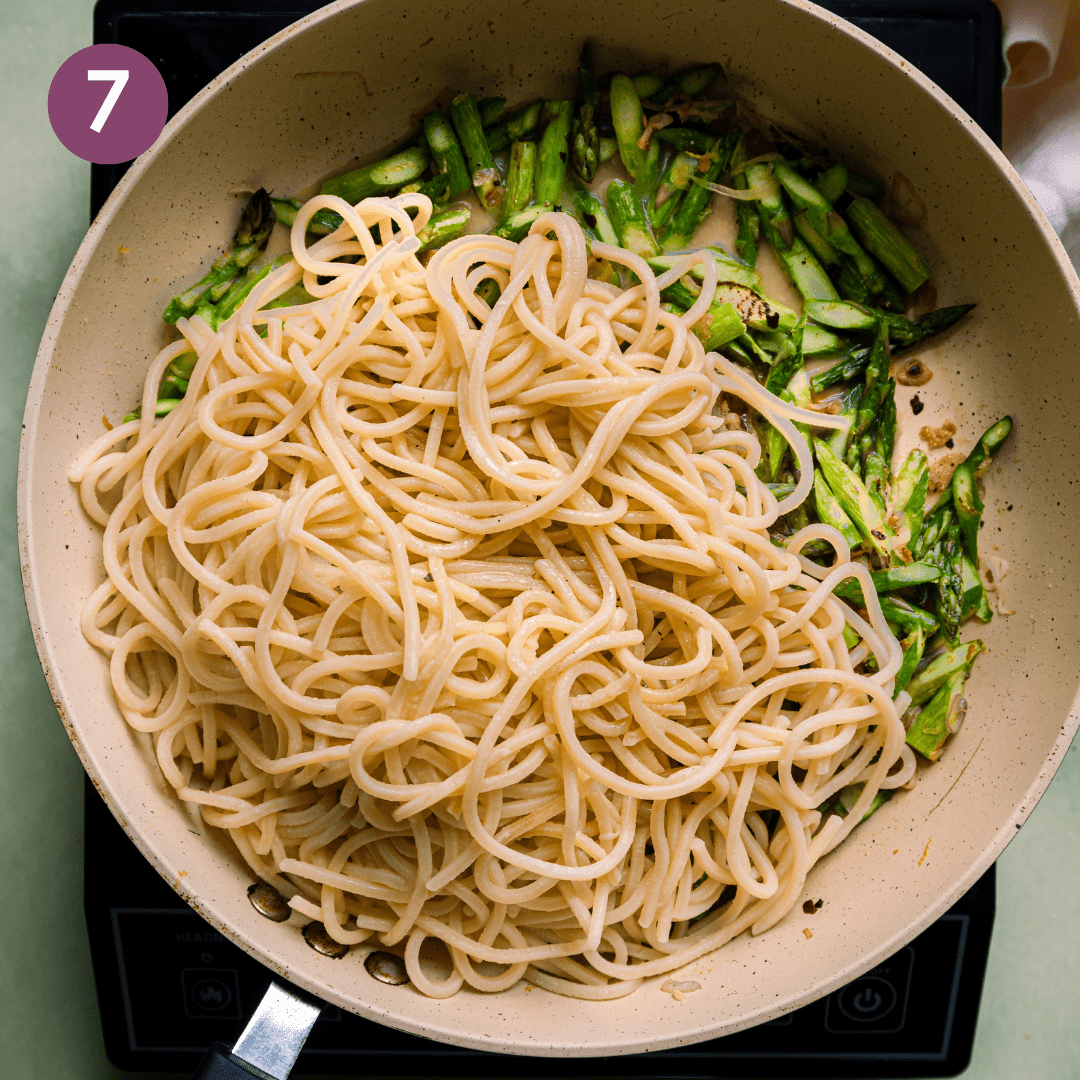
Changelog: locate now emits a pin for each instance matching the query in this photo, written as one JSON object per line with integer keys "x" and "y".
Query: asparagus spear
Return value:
{"x": 749, "y": 230}
{"x": 949, "y": 602}
{"x": 514, "y": 127}
{"x": 689, "y": 139}
{"x": 908, "y": 492}
{"x": 864, "y": 186}
{"x": 647, "y": 85}
{"x": 906, "y": 616}
{"x": 696, "y": 80}
{"x": 442, "y": 228}
{"x": 847, "y": 798}
{"x": 490, "y": 109}
{"x": 832, "y": 182}
{"x": 447, "y": 158}
{"x": 748, "y": 305}
{"x": 797, "y": 259}
{"x": 693, "y": 208}
{"x": 848, "y": 367}
{"x": 930, "y": 676}
{"x": 594, "y": 216}
{"x": 830, "y": 512}
{"x": 554, "y": 152}
{"x": 890, "y": 580}
{"x": 964, "y": 486}
{"x": 248, "y": 242}
{"x": 230, "y": 303}
{"x": 877, "y": 384}
{"x": 940, "y": 718}
{"x": 884, "y": 240}
{"x": 849, "y": 407}
{"x": 718, "y": 326}
{"x": 379, "y": 178}
{"x": 628, "y": 216}
{"x": 487, "y": 181}
{"x": 788, "y": 362}
{"x": 913, "y": 646}
{"x": 857, "y": 504}
{"x": 885, "y": 426}
{"x": 519, "y": 177}
{"x": 322, "y": 222}
{"x": 674, "y": 180}
{"x": 584, "y": 137}
{"x": 629, "y": 123}
{"x": 797, "y": 392}
{"x": 516, "y": 226}
{"x": 733, "y": 272}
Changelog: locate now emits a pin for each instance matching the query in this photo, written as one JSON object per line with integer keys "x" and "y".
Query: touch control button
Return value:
{"x": 869, "y": 998}
{"x": 874, "y": 1003}
{"x": 211, "y": 993}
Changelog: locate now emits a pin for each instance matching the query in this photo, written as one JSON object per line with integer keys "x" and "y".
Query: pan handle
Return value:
{"x": 269, "y": 1045}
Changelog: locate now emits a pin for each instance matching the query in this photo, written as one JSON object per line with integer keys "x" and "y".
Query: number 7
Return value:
{"x": 119, "y": 81}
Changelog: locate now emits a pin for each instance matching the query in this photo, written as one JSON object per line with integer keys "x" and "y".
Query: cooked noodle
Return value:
{"x": 465, "y": 622}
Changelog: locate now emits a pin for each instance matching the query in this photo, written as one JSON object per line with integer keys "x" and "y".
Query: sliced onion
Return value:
{"x": 773, "y": 155}
{"x": 746, "y": 195}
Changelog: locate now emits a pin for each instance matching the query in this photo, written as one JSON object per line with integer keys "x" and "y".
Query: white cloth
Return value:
{"x": 1031, "y": 38}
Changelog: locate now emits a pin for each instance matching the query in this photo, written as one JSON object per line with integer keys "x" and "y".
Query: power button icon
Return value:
{"x": 867, "y": 999}
{"x": 873, "y": 1003}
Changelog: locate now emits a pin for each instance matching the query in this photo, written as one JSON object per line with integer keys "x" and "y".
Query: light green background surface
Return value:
{"x": 1029, "y": 1026}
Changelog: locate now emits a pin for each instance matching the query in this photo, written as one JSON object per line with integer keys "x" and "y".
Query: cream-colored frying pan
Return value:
{"x": 341, "y": 85}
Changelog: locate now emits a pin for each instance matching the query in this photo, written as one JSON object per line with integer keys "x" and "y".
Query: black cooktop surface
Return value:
{"x": 169, "y": 984}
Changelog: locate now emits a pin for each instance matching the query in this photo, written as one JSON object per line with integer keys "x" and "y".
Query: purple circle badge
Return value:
{"x": 108, "y": 103}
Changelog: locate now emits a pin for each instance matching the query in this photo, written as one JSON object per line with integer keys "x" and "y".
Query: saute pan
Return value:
{"x": 341, "y": 85}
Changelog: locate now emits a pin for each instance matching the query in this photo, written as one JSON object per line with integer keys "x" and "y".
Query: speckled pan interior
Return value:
{"x": 341, "y": 85}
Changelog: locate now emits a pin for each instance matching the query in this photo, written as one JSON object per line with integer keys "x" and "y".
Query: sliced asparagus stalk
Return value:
{"x": 688, "y": 139}
{"x": 693, "y": 207}
{"x": 857, "y": 504}
{"x": 446, "y": 156}
{"x": 931, "y": 675}
{"x": 629, "y": 123}
{"x": 516, "y": 226}
{"x": 890, "y": 580}
{"x": 553, "y": 154}
{"x": 734, "y": 272}
{"x": 628, "y": 216}
{"x": 514, "y": 127}
{"x": 832, "y": 182}
{"x": 848, "y": 367}
{"x": 381, "y": 177}
{"x": 908, "y": 492}
{"x": 442, "y": 228}
{"x": 647, "y": 85}
{"x": 248, "y": 242}
{"x": 674, "y": 180}
{"x": 241, "y": 289}
{"x": 907, "y": 616}
{"x": 940, "y": 718}
{"x": 887, "y": 243}
{"x": 584, "y": 137}
{"x": 718, "y": 326}
{"x": 490, "y": 109}
{"x": 749, "y": 224}
{"x": 487, "y": 181}
{"x": 519, "y": 177}
{"x": 913, "y": 645}
{"x": 830, "y": 512}
{"x": 849, "y": 407}
{"x": 594, "y": 216}
{"x": 964, "y": 486}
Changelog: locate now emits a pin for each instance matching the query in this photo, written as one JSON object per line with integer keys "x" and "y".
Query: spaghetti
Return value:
{"x": 465, "y": 621}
